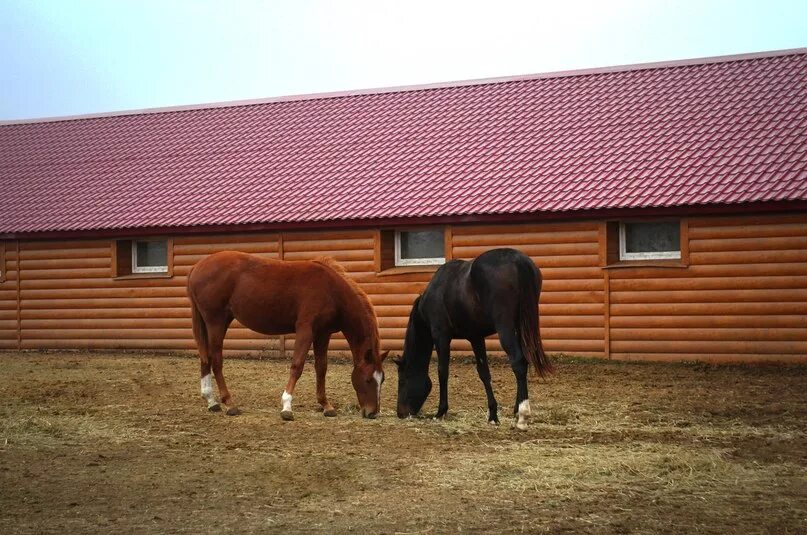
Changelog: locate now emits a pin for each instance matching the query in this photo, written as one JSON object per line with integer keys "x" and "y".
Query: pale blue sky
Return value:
{"x": 68, "y": 57}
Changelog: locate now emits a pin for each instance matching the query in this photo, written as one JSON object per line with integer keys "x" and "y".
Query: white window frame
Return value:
{"x": 148, "y": 269}
{"x": 436, "y": 261}
{"x": 657, "y": 255}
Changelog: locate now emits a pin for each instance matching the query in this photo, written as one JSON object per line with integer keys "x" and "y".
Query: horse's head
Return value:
{"x": 367, "y": 378}
{"x": 414, "y": 386}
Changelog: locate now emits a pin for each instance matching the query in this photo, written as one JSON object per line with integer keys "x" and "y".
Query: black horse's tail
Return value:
{"x": 528, "y": 327}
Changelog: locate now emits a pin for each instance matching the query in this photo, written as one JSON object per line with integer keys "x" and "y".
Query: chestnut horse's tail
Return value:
{"x": 199, "y": 327}
{"x": 528, "y": 318}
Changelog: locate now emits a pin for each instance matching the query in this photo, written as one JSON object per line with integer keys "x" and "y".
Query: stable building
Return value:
{"x": 665, "y": 204}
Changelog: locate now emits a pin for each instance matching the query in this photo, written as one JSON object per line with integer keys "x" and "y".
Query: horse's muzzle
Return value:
{"x": 369, "y": 414}
{"x": 403, "y": 411}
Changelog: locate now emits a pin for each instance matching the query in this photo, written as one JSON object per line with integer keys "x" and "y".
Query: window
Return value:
{"x": 650, "y": 240}
{"x": 412, "y": 249}
{"x": 150, "y": 257}
{"x": 142, "y": 258}
{"x": 419, "y": 247}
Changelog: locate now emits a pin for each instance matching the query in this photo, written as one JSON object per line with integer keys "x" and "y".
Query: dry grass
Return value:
{"x": 99, "y": 443}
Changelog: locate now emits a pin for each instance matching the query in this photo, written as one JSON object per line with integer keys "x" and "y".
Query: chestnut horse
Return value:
{"x": 312, "y": 299}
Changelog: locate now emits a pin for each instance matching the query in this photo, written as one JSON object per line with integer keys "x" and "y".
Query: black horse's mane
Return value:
{"x": 418, "y": 343}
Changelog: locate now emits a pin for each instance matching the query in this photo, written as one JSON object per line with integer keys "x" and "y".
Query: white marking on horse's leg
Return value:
{"x": 378, "y": 376}
{"x": 524, "y": 414}
{"x": 207, "y": 390}
{"x": 285, "y": 411}
{"x": 285, "y": 399}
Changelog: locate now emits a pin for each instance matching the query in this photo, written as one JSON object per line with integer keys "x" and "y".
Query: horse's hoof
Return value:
{"x": 329, "y": 412}
{"x": 521, "y": 426}
{"x": 214, "y": 408}
{"x": 287, "y": 415}
{"x": 493, "y": 422}
{"x": 233, "y": 411}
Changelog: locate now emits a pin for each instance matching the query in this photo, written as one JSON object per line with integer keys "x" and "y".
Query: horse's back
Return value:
{"x": 264, "y": 294}
{"x": 499, "y": 276}
{"x": 502, "y": 269}
{"x": 450, "y": 305}
{"x": 478, "y": 295}
{"x": 214, "y": 276}
{"x": 220, "y": 274}
{"x": 235, "y": 266}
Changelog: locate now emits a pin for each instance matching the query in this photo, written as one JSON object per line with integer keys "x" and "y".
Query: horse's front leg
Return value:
{"x": 443, "y": 357}
{"x": 483, "y": 369}
{"x": 321, "y": 365}
{"x": 302, "y": 342}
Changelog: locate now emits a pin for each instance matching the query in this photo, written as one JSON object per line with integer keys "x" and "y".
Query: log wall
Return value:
{"x": 741, "y": 292}
{"x": 9, "y": 296}
{"x": 743, "y": 295}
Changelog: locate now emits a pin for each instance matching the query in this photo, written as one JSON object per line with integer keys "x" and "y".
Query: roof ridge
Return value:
{"x": 688, "y": 62}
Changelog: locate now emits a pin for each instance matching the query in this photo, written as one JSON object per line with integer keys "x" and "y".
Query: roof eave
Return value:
{"x": 607, "y": 213}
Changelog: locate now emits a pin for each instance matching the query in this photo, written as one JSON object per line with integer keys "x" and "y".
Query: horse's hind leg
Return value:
{"x": 216, "y": 336}
{"x": 512, "y": 346}
{"x": 321, "y": 366}
{"x": 302, "y": 341}
{"x": 206, "y": 383}
{"x": 205, "y": 376}
{"x": 483, "y": 370}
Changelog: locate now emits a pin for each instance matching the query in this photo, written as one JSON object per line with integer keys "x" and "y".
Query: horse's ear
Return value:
{"x": 384, "y": 355}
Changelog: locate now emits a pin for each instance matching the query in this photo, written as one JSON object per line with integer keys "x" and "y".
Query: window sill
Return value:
{"x": 403, "y": 270}
{"x": 676, "y": 264}
{"x": 135, "y": 276}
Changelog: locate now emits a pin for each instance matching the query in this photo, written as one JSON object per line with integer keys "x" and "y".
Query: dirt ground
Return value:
{"x": 98, "y": 443}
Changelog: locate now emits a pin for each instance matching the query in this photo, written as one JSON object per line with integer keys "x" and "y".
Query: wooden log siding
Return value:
{"x": 743, "y": 295}
{"x": 69, "y": 299}
{"x": 9, "y": 296}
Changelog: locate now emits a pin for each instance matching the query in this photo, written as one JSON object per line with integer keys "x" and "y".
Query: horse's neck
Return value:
{"x": 359, "y": 326}
{"x": 420, "y": 336}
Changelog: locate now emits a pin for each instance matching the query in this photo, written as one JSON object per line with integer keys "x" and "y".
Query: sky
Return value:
{"x": 72, "y": 57}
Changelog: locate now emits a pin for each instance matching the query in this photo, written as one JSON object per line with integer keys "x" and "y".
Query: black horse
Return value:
{"x": 495, "y": 293}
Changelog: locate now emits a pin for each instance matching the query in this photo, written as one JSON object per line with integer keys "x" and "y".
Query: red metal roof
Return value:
{"x": 718, "y": 131}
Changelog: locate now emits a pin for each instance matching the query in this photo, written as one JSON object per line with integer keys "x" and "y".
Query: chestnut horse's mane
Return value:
{"x": 329, "y": 262}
